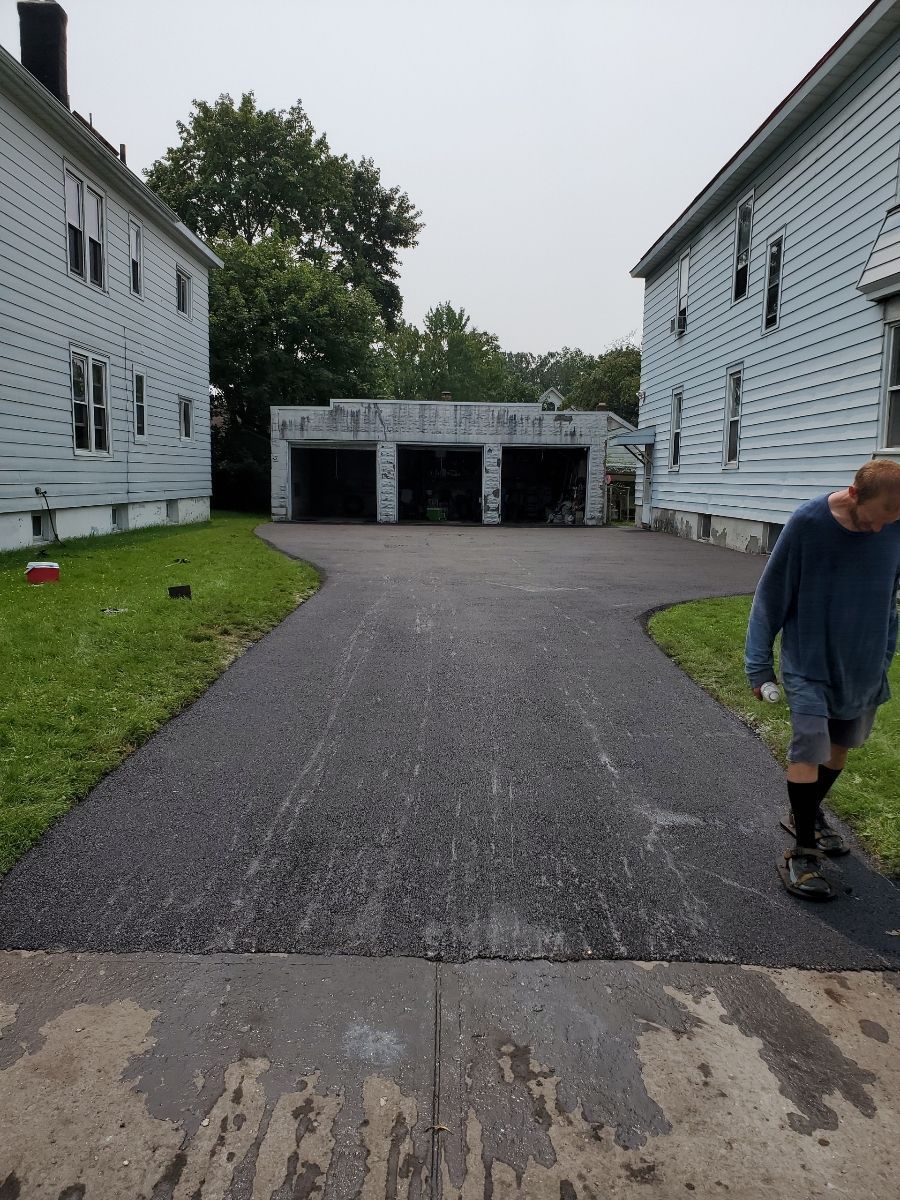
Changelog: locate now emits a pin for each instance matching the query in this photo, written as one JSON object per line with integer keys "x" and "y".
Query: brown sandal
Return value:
{"x": 801, "y": 876}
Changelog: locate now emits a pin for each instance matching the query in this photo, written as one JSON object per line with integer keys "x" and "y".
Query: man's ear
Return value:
{"x": 854, "y": 494}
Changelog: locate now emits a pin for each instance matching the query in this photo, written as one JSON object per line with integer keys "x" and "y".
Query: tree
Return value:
{"x": 449, "y": 354}
{"x": 282, "y": 331}
{"x": 612, "y": 383}
{"x": 242, "y": 172}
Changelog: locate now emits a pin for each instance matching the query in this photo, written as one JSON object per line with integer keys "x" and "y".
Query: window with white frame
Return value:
{"x": 675, "y": 443}
{"x": 93, "y": 219}
{"x": 891, "y": 434}
{"x": 734, "y": 383}
{"x": 140, "y": 405}
{"x": 679, "y": 324}
{"x": 185, "y": 418}
{"x": 136, "y": 251}
{"x": 86, "y": 229}
{"x": 75, "y": 223}
{"x": 774, "y": 270}
{"x": 90, "y": 403}
{"x": 183, "y": 291}
{"x": 742, "y": 248}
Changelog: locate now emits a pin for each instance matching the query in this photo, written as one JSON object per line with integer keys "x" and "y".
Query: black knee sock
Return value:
{"x": 804, "y": 799}
{"x": 827, "y": 778}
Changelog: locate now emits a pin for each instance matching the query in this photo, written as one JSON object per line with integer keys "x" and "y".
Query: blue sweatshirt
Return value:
{"x": 832, "y": 593}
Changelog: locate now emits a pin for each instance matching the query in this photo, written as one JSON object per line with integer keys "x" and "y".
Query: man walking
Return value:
{"x": 830, "y": 588}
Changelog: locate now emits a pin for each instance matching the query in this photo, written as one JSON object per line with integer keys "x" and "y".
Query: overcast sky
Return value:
{"x": 548, "y": 143}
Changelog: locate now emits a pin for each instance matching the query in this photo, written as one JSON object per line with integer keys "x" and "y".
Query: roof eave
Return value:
{"x": 879, "y": 21}
{"x": 32, "y": 96}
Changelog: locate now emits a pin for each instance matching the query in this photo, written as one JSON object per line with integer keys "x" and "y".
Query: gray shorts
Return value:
{"x": 814, "y": 736}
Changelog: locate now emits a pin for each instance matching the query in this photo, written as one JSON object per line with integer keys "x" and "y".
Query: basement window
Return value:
{"x": 773, "y": 533}
{"x": 37, "y": 526}
{"x": 704, "y": 527}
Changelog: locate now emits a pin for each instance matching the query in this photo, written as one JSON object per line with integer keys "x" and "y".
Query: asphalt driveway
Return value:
{"x": 464, "y": 746}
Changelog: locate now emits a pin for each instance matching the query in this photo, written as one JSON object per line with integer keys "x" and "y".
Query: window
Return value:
{"x": 773, "y": 533}
{"x": 679, "y": 325}
{"x": 675, "y": 447}
{"x": 75, "y": 223}
{"x": 742, "y": 248}
{"x": 733, "y": 416}
{"x": 90, "y": 406}
{"x": 94, "y": 224}
{"x": 183, "y": 291}
{"x": 115, "y": 518}
{"x": 37, "y": 526}
{"x": 140, "y": 405}
{"x": 186, "y": 418}
{"x": 86, "y": 232}
{"x": 136, "y": 248}
{"x": 891, "y": 436}
{"x": 704, "y": 526}
{"x": 774, "y": 256}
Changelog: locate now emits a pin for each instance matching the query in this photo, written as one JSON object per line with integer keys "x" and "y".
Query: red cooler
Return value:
{"x": 42, "y": 572}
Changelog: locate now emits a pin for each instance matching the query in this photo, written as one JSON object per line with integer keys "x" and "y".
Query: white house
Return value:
{"x": 771, "y": 349}
{"x": 104, "y": 331}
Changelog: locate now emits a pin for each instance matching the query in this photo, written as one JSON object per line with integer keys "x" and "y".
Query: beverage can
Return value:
{"x": 770, "y": 692}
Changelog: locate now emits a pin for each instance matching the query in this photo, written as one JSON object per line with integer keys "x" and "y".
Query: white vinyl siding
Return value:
{"x": 46, "y": 310}
{"x": 813, "y": 395}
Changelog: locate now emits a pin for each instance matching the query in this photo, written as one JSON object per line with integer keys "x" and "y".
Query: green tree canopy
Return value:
{"x": 243, "y": 172}
{"x": 612, "y": 383}
{"x": 282, "y": 331}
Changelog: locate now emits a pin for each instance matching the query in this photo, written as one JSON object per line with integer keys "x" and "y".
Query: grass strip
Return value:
{"x": 91, "y": 666}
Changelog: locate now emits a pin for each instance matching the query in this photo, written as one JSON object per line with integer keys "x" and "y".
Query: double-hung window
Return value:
{"x": 774, "y": 271}
{"x": 140, "y": 405}
{"x": 733, "y": 386}
{"x": 675, "y": 442}
{"x": 679, "y": 324}
{"x": 185, "y": 418}
{"x": 86, "y": 230}
{"x": 90, "y": 403}
{"x": 136, "y": 251}
{"x": 742, "y": 248}
{"x": 891, "y": 427}
{"x": 183, "y": 291}
{"x": 75, "y": 223}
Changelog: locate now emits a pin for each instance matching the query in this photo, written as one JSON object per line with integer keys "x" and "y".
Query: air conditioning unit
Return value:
{"x": 678, "y": 324}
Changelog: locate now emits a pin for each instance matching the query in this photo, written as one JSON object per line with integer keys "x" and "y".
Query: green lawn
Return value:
{"x": 83, "y": 687}
{"x": 706, "y": 639}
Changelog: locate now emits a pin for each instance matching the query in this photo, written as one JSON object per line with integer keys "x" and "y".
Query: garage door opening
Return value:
{"x": 543, "y": 486}
{"x": 336, "y": 484}
{"x": 438, "y": 483}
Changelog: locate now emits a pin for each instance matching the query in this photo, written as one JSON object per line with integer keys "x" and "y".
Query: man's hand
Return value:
{"x": 757, "y": 692}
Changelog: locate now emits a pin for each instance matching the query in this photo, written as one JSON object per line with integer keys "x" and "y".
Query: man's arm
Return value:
{"x": 775, "y": 594}
{"x": 892, "y": 628}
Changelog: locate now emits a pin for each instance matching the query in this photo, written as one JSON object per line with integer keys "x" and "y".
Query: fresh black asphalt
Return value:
{"x": 464, "y": 746}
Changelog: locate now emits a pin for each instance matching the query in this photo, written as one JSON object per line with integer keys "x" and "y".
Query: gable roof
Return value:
{"x": 866, "y": 35}
{"x": 79, "y": 138}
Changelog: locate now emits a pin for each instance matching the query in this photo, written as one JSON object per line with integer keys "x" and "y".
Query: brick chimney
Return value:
{"x": 42, "y": 31}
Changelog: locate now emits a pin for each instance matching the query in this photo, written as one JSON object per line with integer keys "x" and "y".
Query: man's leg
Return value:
{"x": 803, "y": 793}
{"x": 810, "y": 747}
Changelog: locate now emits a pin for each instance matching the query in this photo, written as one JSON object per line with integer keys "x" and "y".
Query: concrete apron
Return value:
{"x": 201, "y": 1078}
